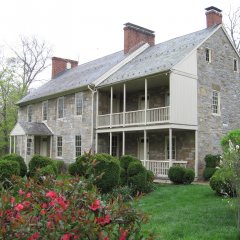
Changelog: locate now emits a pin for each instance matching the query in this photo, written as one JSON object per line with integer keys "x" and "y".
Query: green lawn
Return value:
{"x": 188, "y": 212}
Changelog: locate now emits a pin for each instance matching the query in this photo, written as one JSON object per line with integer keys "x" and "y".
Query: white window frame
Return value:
{"x": 58, "y": 146}
{"x": 78, "y": 146}
{"x": 235, "y": 64}
{"x": 78, "y": 95}
{"x": 209, "y": 59}
{"x": 59, "y": 117}
{"x": 218, "y": 103}
{"x": 174, "y": 148}
{"x": 29, "y": 117}
{"x": 45, "y": 102}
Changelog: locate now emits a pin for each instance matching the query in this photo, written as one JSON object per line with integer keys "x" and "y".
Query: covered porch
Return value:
{"x": 28, "y": 138}
{"x": 158, "y": 149}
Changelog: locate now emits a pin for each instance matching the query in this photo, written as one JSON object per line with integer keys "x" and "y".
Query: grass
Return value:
{"x": 188, "y": 212}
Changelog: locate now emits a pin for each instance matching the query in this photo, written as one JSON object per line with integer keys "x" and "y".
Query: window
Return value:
{"x": 78, "y": 145}
{"x": 59, "y": 146}
{"x": 29, "y": 146}
{"x": 79, "y": 103}
{"x": 235, "y": 65}
{"x": 29, "y": 113}
{"x": 115, "y": 146}
{"x": 208, "y": 53}
{"x": 215, "y": 102}
{"x": 44, "y": 111}
{"x": 167, "y": 153}
{"x": 60, "y": 107}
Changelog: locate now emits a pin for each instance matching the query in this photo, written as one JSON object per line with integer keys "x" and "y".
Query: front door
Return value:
{"x": 141, "y": 149}
{"x": 43, "y": 146}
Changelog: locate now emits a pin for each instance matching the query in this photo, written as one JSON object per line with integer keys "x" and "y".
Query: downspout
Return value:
{"x": 93, "y": 90}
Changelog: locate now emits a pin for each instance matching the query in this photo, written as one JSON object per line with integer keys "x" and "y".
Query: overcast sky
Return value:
{"x": 87, "y": 29}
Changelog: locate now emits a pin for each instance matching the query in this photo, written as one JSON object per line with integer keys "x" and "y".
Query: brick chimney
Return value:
{"x": 135, "y": 36}
{"x": 214, "y": 16}
{"x": 60, "y": 64}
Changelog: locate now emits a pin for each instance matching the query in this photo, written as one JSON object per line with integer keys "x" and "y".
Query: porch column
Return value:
{"x": 51, "y": 143}
{"x": 26, "y": 137}
{"x": 110, "y": 147}
{"x": 145, "y": 110}
{"x": 14, "y": 144}
{"x": 124, "y": 103}
{"x": 96, "y": 143}
{"x": 145, "y": 147}
{"x": 123, "y": 143}
{"x": 97, "y": 102}
{"x": 10, "y": 142}
{"x": 196, "y": 153}
{"x": 170, "y": 147}
{"x": 111, "y": 107}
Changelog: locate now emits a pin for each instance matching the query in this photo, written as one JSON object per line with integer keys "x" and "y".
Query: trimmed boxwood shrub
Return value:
{"x": 138, "y": 182}
{"x": 222, "y": 182}
{"x": 126, "y": 160}
{"x": 7, "y": 170}
{"x": 212, "y": 161}
{"x": 20, "y": 160}
{"x": 73, "y": 169}
{"x": 38, "y": 162}
{"x": 107, "y": 172}
{"x": 135, "y": 168}
{"x": 208, "y": 172}
{"x": 181, "y": 175}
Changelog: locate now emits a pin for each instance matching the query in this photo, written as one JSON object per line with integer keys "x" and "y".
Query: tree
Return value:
{"x": 233, "y": 26}
{"x": 31, "y": 59}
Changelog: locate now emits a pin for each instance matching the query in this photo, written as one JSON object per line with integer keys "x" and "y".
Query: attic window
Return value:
{"x": 208, "y": 55}
{"x": 235, "y": 65}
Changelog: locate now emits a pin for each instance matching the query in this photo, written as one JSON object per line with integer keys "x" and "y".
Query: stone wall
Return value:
{"x": 219, "y": 73}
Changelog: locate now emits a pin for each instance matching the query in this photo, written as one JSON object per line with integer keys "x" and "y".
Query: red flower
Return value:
{"x": 29, "y": 195}
{"x": 18, "y": 207}
{"x": 21, "y": 192}
{"x": 36, "y": 235}
{"x": 51, "y": 194}
{"x": 49, "y": 224}
{"x": 12, "y": 200}
{"x": 106, "y": 238}
{"x": 44, "y": 205}
{"x": 123, "y": 234}
{"x": 95, "y": 205}
{"x": 66, "y": 236}
{"x": 43, "y": 211}
{"x": 26, "y": 204}
{"x": 103, "y": 220}
{"x": 61, "y": 201}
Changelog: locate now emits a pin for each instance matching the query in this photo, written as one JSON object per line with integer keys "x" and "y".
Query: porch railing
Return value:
{"x": 160, "y": 168}
{"x": 154, "y": 115}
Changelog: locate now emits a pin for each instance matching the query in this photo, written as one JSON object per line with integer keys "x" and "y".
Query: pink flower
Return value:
{"x": 18, "y": 207}
{"x": 51, "y": 194}
{"x": 29, "y": 195}
{"x": 123, "y": 234}
{"x": 95, "y": 205}
{"x": 36, "y": 235}
{"x": 44, "y": 205}
{"x": 66, "y": 236}
{"x": 106, "y": 238}
{"x": 103, "y": 220}
{"x": 61, "y": 201}
{"x": 12, "y": 200}
{"x": 49, "y": 224}
{"x": 43, "y": 211}
{"x": 26, "y": 204}
{"x": 21, "y": 192}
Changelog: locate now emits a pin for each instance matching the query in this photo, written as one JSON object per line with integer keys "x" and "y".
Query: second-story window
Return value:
{"x": 208, "y": 55}
{"x": 79, "y": 103}
{"x": 29, "y": 113}
{"x": 44, "y": 111}
{"x": 235, "y": 65}
{"x": 60, "y": 107}
{"x": 215, "y": 102}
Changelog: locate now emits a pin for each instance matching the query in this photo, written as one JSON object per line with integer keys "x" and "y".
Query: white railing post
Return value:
{"x": 110, "y": 140}
{"x": 170, "y": 147}
{"x": 97, "y": 104}
{"x": 145, "y": 110}
{"x": 14, "y": 144}
{"x": 51, "y": 143}
{"x": 111, "y": 107}
{"x": 124, "y": 103}
{"x": 196, "y": 153}
{"x": 123, "y": 143}
{"x": 10, "y": 142}
{"x": 145, "y": 147}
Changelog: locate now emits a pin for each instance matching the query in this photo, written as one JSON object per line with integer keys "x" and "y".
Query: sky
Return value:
{"x": 86, "y": 30}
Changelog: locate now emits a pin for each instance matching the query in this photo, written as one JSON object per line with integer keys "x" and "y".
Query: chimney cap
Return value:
{"x": 138, "y": 28}
{"x": 213, "y": 8}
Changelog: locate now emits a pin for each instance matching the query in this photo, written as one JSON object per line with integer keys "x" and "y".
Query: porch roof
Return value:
{"x": 31, "y": 128}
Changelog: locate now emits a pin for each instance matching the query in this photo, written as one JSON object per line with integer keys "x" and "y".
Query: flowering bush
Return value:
{"x": 67, "y": 209}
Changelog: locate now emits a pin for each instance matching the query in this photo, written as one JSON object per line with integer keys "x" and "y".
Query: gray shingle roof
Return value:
{"x": 37, "y": 129}
{"x": 158, "y": 58}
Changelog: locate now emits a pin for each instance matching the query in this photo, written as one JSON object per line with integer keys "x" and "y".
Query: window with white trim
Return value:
{"x": 208, "y": 55}
{"x": 78, "y": 103}
{"x": 29, "y": 146}
{"x": 78, "y": 145}
{"x": 235, "y": 65}
{"x": 59, "y": 146}
{"x": 215, "y": 102}
{"x": 167, "y": 152}
{"x": 44, "y": 110}
{"x": 60, "y": 107}
{"x": 30, "y": 113}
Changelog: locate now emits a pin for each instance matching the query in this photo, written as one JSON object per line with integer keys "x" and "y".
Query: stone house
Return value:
{"x": 164, "y": 103}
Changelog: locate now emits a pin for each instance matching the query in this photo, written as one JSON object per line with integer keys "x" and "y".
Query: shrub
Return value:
{"x": 208, "y": 172}
{"x": 60, "y": 165}
{"x": 107, "y": 172}
{"x": 222, "y": 182}
{"x": 7, "y": 170}
{"x": 73, "y": 169}
{"x": 188, "y": 176}
{"x": 135, "y": 168}
{"x": 150, "y": 176}
{"x": 38, "y": 161}
{"x": 212, "y": 161}
{"x": 138, "y": 182}
{"x": 233, "y": 136}
{"x": 126, "y": 160}
{"x": 20, "y": 160}
{"x": 85, "y": 164}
